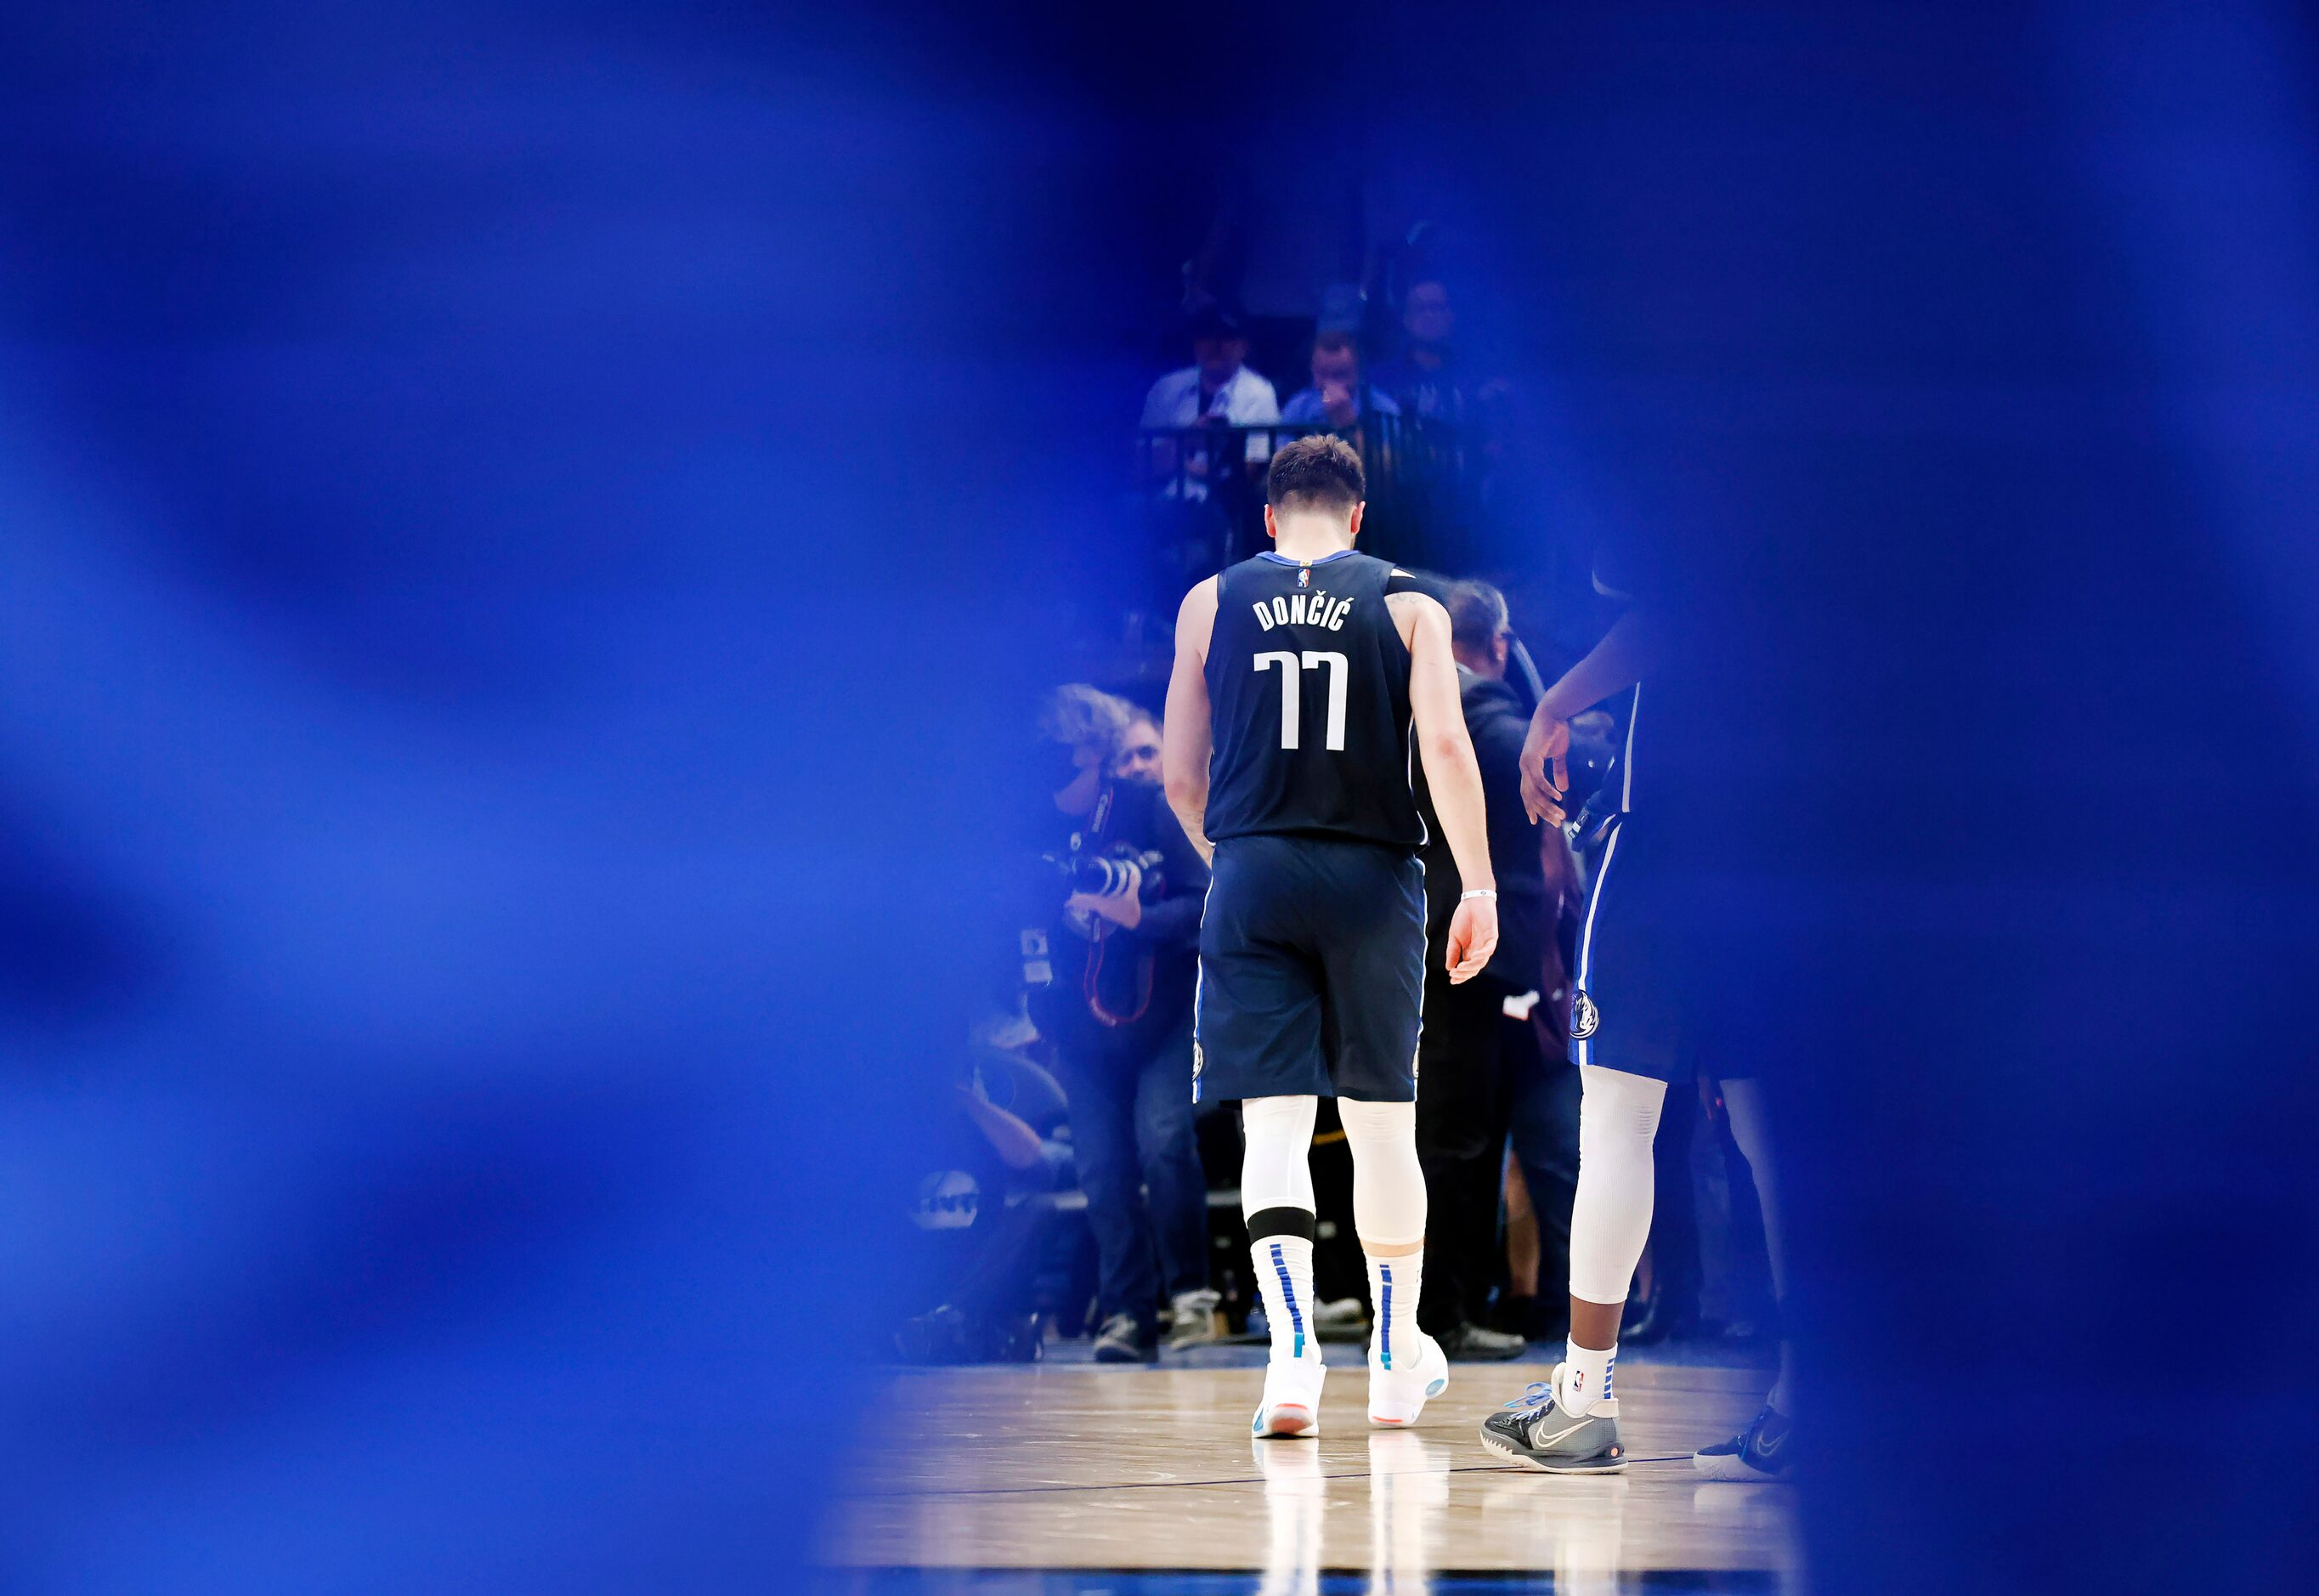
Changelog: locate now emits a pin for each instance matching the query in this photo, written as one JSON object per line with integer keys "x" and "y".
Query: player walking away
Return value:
{"x": 1299, "y": 675}
{"x": 1629, "y": 991}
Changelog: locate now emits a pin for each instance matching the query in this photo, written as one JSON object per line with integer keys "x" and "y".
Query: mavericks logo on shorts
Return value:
{"x": 1585, "y": 1018}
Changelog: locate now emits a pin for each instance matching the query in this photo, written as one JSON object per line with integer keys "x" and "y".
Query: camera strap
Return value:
{"x": 1092, "y": 985}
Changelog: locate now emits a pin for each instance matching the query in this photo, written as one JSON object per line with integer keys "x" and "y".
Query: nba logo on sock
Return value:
{"x": 1577, "y": 1381}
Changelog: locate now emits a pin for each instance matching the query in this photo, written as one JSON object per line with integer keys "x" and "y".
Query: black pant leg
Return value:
{"x": 1546, "y": 1093}
{"x": 1102, "y": 1092}
{"x": 1460, "y": 1139}
{"x": 1674, "y": 1214}
{"x": 1175, "y": 1188}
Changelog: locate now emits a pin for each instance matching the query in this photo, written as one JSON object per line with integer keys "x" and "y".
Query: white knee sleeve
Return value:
{"x": 1388, "y": 1186}
{"x": 1610, "y": 1217}
{"x": 1277, "y": 1170}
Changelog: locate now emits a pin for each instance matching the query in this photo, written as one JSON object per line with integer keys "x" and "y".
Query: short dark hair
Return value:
{"x": 1335, "y": 340}
{"x": 1318, "y": 472}
{"x": 1477, "y": 613}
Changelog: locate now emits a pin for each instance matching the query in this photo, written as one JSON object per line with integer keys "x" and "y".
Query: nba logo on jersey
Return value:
{"x": 1303, "y": 576}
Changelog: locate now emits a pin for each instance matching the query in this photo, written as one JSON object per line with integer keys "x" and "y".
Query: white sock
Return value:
{"x": 1395, "y": 1283}
{"x": 1284, "y": 1276}
{"x": 1586, "y": 1378}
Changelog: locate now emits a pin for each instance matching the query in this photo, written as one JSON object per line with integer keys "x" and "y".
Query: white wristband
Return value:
{"x": 1489, "y": 892}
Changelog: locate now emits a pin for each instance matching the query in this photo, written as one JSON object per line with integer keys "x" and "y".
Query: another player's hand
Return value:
{"x": 1473, "y": 937}
{"x": 1544, "y": 769}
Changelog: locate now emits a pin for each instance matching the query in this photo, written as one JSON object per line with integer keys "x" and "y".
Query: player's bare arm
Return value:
{"x": 1183, "y": 756}
{"x": 1453, "y": 775}
{"x": 1612, "y": 666}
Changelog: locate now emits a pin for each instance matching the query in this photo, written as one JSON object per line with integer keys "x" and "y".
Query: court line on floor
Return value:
{"x": 1466, "y": 1468}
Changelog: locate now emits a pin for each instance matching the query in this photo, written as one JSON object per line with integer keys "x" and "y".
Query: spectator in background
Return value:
{"x": 1216, "y": 388}
{"x": 1464, "y": 427}
{"x": 1139, "y": 752}
{"x": 985, "y": 1212}
{"x": 1112, "y": 996}
{"x": 1338, "y": 398}
{"x": 1427, "y": 377}
{"x": 1463, "y": 1086}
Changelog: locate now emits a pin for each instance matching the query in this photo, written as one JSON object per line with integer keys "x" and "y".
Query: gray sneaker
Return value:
{"x": 1123, "y": 1340}
{"x": 1192, "y": 1319}
{"x": 1472, "y": 1343}
{"x": 1534, "y": 1429}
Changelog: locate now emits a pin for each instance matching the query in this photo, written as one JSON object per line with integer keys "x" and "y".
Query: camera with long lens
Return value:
{"x": 1100, "y": 872}
{"x": 1108, "y": 872}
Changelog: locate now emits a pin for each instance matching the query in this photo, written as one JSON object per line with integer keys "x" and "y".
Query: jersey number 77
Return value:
{"x": 1291, "y": 695}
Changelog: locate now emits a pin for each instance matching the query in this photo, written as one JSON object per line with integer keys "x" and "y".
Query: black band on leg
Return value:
{"x": 1280, "y": 1221}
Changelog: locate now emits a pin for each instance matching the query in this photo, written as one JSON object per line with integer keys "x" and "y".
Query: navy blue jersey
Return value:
{"x": 1308, "y": 683}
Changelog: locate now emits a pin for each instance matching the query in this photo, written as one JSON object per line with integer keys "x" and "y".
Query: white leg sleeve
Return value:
{"x": 1388, "y": 1186}
{"x": 1753, "y": 1132}
{"x": 1610, "y": 1217}
{"x": 1277, "y": 1170}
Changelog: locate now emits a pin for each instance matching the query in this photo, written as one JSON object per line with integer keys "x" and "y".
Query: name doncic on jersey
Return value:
{"x": 1316, "y": 609}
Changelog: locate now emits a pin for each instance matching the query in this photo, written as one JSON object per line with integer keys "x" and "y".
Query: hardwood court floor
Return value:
{"x": 1086, "y": 1467}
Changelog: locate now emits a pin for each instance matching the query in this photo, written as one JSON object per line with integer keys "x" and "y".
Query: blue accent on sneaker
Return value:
{"x": 1288, "y": 1295}
{"x": 1384, "y": 1317}
{"x": 1536, "y": 1394}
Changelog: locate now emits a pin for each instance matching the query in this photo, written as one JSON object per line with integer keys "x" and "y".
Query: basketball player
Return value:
{"x": 1630, "y": 993}
{"x": 1626, "y": 1052}
{"x": 1299, "y": 675}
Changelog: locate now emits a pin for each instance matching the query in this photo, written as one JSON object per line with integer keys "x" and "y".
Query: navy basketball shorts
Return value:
{"x": 1630, "y": 990}
{"x": 1311, "y": 972}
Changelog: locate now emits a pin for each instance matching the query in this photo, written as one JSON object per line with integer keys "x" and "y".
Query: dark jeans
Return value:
{"x": 1462, "y": 1104}
{"x": 1545, "y": 1091}
{"x": 1138, "y": 1163}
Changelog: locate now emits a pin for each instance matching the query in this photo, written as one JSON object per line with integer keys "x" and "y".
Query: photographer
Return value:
{"x": 1110, "y": 956}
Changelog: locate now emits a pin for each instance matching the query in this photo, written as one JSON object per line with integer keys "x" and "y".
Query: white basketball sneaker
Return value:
{"x": 1399, "y": 1384}
{"x": 1291, "y": 1408}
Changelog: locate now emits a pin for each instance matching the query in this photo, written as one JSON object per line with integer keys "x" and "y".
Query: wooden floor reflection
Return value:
{"x": 1086, "y": 1467}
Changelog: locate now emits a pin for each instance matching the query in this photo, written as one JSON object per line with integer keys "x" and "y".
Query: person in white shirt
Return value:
{"x": 1218, "y": 387}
